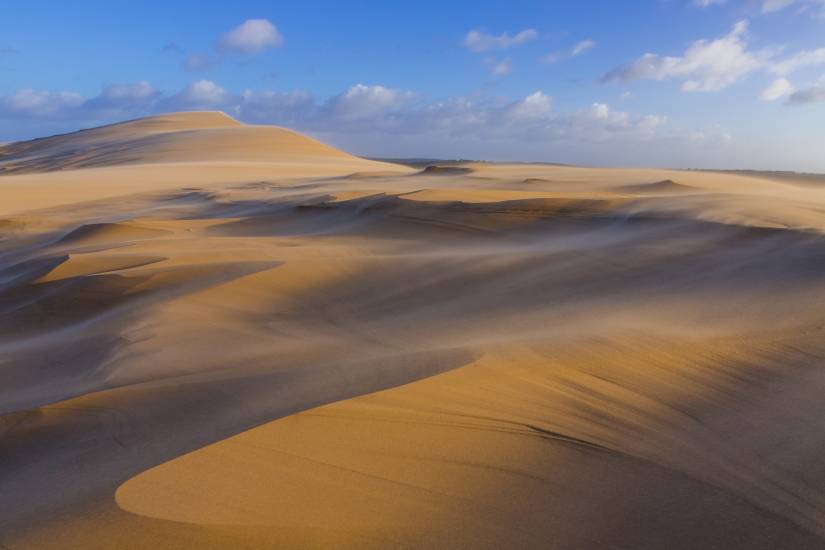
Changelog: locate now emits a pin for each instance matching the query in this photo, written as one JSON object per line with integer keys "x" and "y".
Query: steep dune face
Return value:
{"x": 344, "y": 353}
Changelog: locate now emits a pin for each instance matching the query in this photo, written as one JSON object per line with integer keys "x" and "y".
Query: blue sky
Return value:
{"x": 681, "y": 83}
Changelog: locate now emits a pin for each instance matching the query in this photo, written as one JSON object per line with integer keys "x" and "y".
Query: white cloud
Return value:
{"x": 707, "y": 3}
{"x": 384, "y": 121}
{"x": 130, "y": 92}
{"x": 39, "y": 103}
{"x": 115, "y": 100}
{"x": 705, "y": 66}
{"x": 799, "y": 60}
{"x": 535, "y": 106}
{"x": 582, "y": 47}
{"x": 120, "y": 100}
{"x": 362, "y": 101}
{"x": 252, "y": 36}
{"x": 599, "y": 122}
{"x": 779, "y": 88}
{"x": 371, "y": 118}
{"x": 478, "y": 41}
{"x": 201, "y": 94}
{"x": 377, "y": 111}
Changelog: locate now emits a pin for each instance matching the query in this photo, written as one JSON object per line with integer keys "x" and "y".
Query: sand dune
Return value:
{"x": 163, "y": 152}
{"x": 179, "y": 137}
{"x": 214, "y": 335}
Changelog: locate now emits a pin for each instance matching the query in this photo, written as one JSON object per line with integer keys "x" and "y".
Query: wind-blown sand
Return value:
{"x": 218, "y": 335}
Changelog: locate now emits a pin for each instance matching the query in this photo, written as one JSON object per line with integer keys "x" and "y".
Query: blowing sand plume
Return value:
{"x": 218, "y": 335}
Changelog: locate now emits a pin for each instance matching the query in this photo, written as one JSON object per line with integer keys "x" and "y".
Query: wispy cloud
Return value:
{"x": 478, "y": 41}
{"x": 817, "y": 7}
{"x": 576, "y": 50}
{"x": 798, "y": 61}
{"x": 583, "y": 46}
{"x": 707, "y": 65}
{"x": 775, "y": 5}
{"x": 499, "y": 67}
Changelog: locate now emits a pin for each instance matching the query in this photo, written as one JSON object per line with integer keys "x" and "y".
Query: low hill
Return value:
{"x": 174, "y": 137}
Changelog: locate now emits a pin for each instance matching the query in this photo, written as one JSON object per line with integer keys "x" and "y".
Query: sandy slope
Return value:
{"x": 622, "y": 358}
{"x": 161, "y": 152}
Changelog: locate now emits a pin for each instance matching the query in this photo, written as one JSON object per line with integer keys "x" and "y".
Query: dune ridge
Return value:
{"x": 315, "y": 350}
{"x": 162, "y": 153}
{"x": 176, "y": 137}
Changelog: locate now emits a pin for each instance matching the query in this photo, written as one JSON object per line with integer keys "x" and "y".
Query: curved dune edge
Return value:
{"x": 526, "y": 445}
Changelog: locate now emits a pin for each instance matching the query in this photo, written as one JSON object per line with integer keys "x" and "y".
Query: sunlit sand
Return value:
{"x": 215, "y": 335}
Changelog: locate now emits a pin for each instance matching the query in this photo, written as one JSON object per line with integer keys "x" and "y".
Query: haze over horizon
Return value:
{"x": 676, "y": 83}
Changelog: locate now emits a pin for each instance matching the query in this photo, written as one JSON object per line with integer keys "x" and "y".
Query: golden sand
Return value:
{"x": 215, "y": 335}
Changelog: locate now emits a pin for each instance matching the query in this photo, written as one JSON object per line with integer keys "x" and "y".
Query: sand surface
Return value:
{"x": 215, "y": 335}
